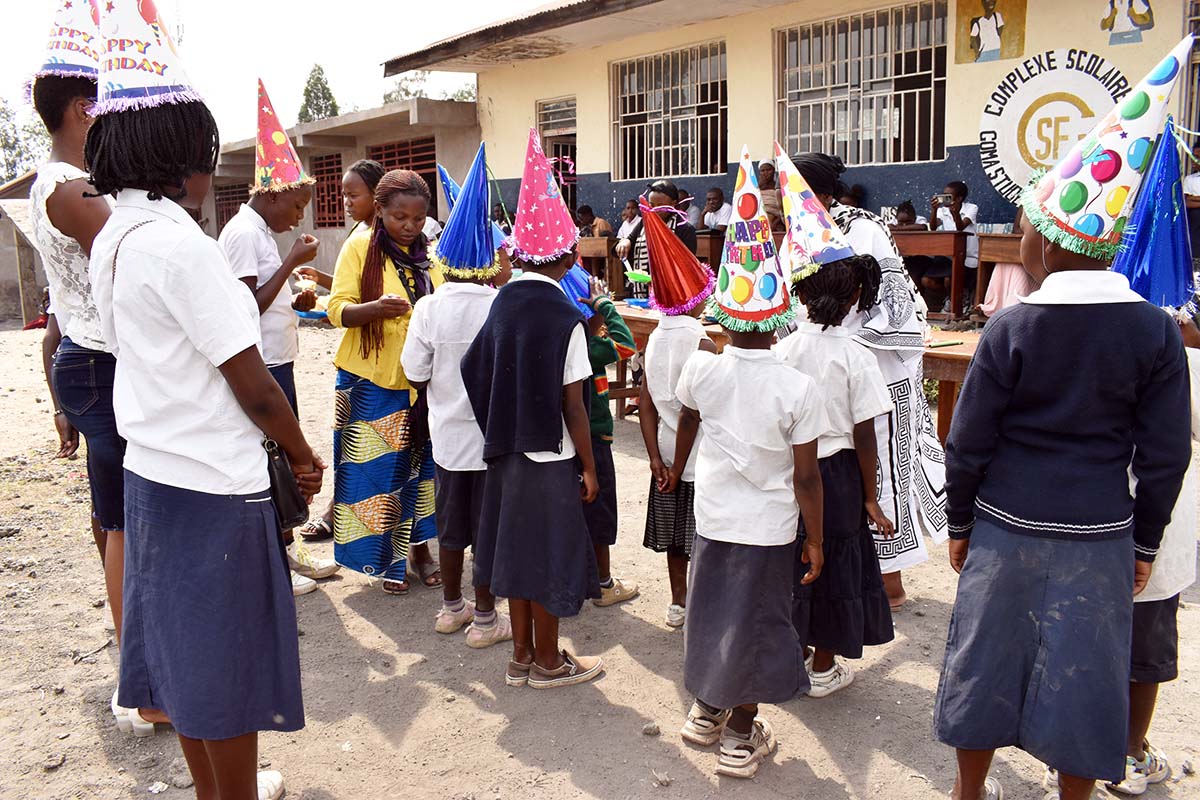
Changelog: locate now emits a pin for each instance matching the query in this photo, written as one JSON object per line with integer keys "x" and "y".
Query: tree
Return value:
{"x": 408, "y": 85}
{"x": 319, "y": 102}
{"x": 22, "y": 145}
{"x": 465, "y": 94}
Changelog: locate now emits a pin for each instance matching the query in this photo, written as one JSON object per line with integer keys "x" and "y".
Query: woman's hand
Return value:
{"x": 958, "y": 553}
{"x": 391, "y": 306}
{"x": 813, "y": 554}
{"x": 305, "y": 301}
{"x": 879, "y": 519}
{"x": 1141, "y": 576}
{"x": 591, "y": 486}
{"x": 68, "y": 437}
{"x": 303, "y": 250}
{"x": 662, "y": 476}
{"x": 308, "y": 476}
{"x": 322, "y": 279}
{"x": 674, "y": 475}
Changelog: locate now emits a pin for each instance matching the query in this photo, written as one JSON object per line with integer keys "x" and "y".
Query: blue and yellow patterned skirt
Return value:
{"x": 383, "y": 491}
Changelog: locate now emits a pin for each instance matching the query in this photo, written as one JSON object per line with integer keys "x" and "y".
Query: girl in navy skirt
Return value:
{"x": 847, "y": 607}
{"x": 210, "y": 624}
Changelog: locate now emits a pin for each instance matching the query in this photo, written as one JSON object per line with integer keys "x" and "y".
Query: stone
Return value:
{"x": 651, "y": 729}
{"x": 53, "y": 762}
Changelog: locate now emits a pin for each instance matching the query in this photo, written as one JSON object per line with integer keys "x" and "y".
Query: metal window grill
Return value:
{"x": 1191, "y": 110}
{"x": 228, "y": 199}
{"x": 328, "y": 211}
{"x": 868, "y": 87}
{"x": 556, "y": 117}
{"x": 669, "y": 114}
{"x": 419, "y": 155}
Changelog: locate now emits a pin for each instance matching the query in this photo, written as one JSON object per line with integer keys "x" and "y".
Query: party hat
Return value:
{"x": 678, "y": 281}
{"x": 465, "y": 248}
{"x": 139, "y": 65}
{"x": 73, "y": 50}
{"x": 543, "y": 229}
{"x": 277, "y": 168}
{"x": 812, "y": 237}
{"x": 450, "y": 189}
{"x": 1156, "y": 253}
{"x": 577, "y": 284}
{"x": 1082, "y": 204}
{"x": 752, "y": 293}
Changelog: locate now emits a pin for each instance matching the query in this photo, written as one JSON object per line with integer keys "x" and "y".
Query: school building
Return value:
{"x": 910, "y": 94}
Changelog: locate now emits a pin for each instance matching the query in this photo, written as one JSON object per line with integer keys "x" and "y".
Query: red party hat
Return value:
{"x": 277, "y": 168}
{"x": 678, "y": 281}
{"x": 543, "y": 229}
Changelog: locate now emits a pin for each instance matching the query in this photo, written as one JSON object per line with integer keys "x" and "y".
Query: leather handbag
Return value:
{"x": 290, "y": 506}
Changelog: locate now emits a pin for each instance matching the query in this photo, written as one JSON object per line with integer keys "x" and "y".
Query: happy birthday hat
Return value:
{"x": 139, "y": 65}
{"x": 73, "y": 50}
{"x": 1156, "y": 253}
{"x": 752, "y": 292}
{"x": 678, "y": 281}
{"x": 812, "y": 237}
{"x": 465, "y": 248}
{"x": 277, "y": 168}
{"x": 1082, "y": 204}
{"x": 543, "y": 229}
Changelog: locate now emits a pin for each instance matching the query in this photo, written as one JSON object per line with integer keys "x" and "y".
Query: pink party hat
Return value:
{"x": 139, "y": 65}
{"x": 73, "y": 49}
{"x": 543, "y": 229}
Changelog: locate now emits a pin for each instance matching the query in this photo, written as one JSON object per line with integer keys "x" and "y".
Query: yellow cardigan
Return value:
{"x": 382, "y": 368}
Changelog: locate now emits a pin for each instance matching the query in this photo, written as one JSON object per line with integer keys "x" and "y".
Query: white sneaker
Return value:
{"x": 499, "y": 631}
{"x": 703, "y": 728}
{"x": 741, "y": 755}
{"x": 308, "y": 565}
{"x": 302, "y": 585}
{"x": 1140, "y": 775}
{"x": 452, "y": 621}
{"x": 676, "y": 616}
{"x": 837, "y": 678}
{"x": 992, "y": 790}
{"x": 270, "y": 785}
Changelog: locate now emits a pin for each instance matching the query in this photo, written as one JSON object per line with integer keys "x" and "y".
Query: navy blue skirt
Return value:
{"x": 210, "y": 624}
{"x": 533, "y": 542}
{"x": 847, "y": 607}
{"x": 601, "y": 515}
{"x": 1037, "y": 656}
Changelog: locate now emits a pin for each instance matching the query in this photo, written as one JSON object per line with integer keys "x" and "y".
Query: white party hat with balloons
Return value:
{"x": 139, "y": 65}
{"x": 73, "y": 49}
{"x": 1083, "y": 203}
{"x": 752, "y": 292}
{"x": 812, "y": 237}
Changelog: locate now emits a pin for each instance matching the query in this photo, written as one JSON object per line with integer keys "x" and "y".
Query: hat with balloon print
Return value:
{"x": 752, "y": 292}
{"x": 73, "y": 48}
{"x": 812, "y": 237}
{"x": 1083, "y": 203}
{"x": 139, "y": 65}
{"x": 277, "y": 168}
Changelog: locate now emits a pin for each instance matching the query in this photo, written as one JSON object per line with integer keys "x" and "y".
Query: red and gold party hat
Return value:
{"x": 277, "y": 168}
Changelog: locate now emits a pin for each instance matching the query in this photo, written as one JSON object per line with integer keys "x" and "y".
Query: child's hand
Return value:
{"x": 305, "y": 301}
{"x": 673, "y": 477}
{"x": 813, "y": 554}
{"x": 304, "y": 249}
{"x": 591, "y": 486}
{"x": 1141, "y": 576}
{"x": 661, "y": 474}
{"x": 958, "y": 553}
{"x": 879, "y": 519}
{"x": 598, "y": 292}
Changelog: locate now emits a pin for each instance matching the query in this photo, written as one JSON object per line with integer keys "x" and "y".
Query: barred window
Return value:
{"x": 328, "y": 211}
{"x": 556, "y": 117}
{"x": 228, "y": 199}
{"x": 419, "y": 155}
{"x": 669, "y": 114}
{"x": 868, "y": 87}
{"x": 1191, "y": 111}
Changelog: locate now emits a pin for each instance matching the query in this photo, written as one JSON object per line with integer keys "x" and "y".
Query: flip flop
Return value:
{"x": 316, "y": 530}
{"x": 396, "y": 588}
{"x": 427, "y": 570}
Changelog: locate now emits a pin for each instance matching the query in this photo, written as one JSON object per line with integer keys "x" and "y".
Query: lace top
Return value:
{"x": 65, "y": 262}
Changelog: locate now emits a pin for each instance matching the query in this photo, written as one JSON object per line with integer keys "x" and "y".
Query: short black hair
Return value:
{"x": 53, "y": 94}
{"x": 907, "y": 205}
{"x": 959, "y": 188}
{"x": 585, "y": 210}
{"x": 667, "y": 187}
{"x": 152, "y": 148}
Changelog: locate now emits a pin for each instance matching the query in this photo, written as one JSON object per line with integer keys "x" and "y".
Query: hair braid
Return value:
{"x": 153, "y": 149}
{"x": 829, "y": 291}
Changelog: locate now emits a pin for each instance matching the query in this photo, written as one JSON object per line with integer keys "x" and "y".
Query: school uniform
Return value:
{"x": 533, "y": 541}
{"x": 442, "y": 327}
{"x": 671, "y": 518}
{"x": 1067, "y": 390}
{"x": 210, "y": 625}
{"x": 847, "y": 606}
{"x": 740, "y": 646}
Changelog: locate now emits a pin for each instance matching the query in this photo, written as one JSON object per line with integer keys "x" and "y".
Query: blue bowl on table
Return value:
{"x": 638, "y": 302}
{"x": 311, "y": 314}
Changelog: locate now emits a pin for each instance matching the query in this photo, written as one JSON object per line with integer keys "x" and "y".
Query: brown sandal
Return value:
{"x": 429, "y": 570}
{"x": 395, "y": 588}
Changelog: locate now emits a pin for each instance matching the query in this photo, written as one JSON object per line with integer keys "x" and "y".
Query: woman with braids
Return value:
{"x": 846, "y": 607}
{"x": 383, "y": 490}
{"x": 912, "y": 464}
{"x": 210, "y": 623}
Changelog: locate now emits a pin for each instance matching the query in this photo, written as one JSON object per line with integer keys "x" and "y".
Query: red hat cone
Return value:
{"x": 678, "y": 281}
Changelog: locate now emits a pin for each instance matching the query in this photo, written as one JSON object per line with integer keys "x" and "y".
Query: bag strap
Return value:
{"x": 122, "y": 241}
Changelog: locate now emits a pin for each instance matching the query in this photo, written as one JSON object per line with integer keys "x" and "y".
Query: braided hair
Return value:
{"x": 153, "y": 149}
{"x": 52, "y": 94}
{"x": 370, "y": 171}
{"x": 398, "y": 182}
{"x": 829, "y": 291}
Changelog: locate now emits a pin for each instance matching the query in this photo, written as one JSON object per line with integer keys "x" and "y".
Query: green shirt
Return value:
{"x": 616, "y": 346}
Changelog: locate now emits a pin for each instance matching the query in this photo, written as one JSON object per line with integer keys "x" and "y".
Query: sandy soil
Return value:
{"x": 395, "y": 709}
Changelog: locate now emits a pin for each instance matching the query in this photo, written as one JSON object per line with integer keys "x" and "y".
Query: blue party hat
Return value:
{"x": 1155, "y": 252}
{"x": 466, "y": 248}
{"x": 576, "y": 283}
{"x": 449, "y": 187}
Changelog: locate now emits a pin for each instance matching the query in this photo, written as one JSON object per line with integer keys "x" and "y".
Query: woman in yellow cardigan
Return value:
{"x": 383, "y": 485}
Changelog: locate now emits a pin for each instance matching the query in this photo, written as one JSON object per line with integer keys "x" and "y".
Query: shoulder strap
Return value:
{"x": 122, "y": 241}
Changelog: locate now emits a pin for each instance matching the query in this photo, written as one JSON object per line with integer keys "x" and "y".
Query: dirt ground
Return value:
{"x": 395, "y": 709}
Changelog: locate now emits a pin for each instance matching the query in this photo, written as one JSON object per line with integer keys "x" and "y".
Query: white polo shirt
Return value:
{"x": 440, "y": 332}
{"x": 175, "y": 315}
{"x": 669, "y": 347}
{"x": 753, "y": 409}
{"x": 253, "y": 253}
{"x": 721, "y": 216}
{"x": 968, "y": 211}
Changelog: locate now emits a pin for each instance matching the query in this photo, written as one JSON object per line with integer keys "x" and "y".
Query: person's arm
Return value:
{"x": 344, "y": 307}
{"x": 75, "y": 214}
{"x": 685, "y": 440}
{"x": 869, "y": 399}
{"x": 618, "y": 331}
{"x": 303, "y": 251}
{"x": 1191, "y": 191}
{"x": 323, "y": 279}
{"x": 575, "y": 414}
{"x": 866, "y": 447}
{"x": 806, "y": 477}
{"x": 648, "y": 422}
{"x": 625, "y": 246}
{"x": 417, "y": 356}
{"x": 1144, "y": 21}
{"x": 1106, "y": 23}
{"x": 68, "y": 437}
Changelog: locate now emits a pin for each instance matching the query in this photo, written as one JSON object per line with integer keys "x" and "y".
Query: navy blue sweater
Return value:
{"x": 513, "y": 370}
{"x": 1059, "y": 401}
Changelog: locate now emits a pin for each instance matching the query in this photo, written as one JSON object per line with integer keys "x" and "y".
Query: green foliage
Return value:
{"x": 319, "y": 102}
{"x": 22, "y": 144}
{"x": 415, "y": 84}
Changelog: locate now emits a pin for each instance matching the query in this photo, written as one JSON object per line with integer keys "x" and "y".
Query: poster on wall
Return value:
{"x": 989, "y": 30}
{"x": 1040, "y": 109}
{"x": 1126, "y": 19}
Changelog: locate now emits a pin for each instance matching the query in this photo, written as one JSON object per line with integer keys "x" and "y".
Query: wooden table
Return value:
{"x": 953, "y": 245}
{"x": 948, "y": 366}
{"x": 600, "y": 259}
{"x": 995, "y": 248}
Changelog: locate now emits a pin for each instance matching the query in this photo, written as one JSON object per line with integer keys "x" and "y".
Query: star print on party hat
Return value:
{"x": 678, "y": 281}
{"x": 277, "y": 168}
{"x": 812, "y": 237}
{"x": 543, "y": 229}
{"x": 465, "y": 248}
{"x": 139, "y": 65}
{"x": 73, "y": 50}
{"x": 1082, "y": 204}
{"x": 752, "y": 292}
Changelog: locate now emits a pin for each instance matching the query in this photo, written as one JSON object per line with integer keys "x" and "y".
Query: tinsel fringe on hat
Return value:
{"x": 464, "y": 273}
{"x": 805, "y": 272}
{"x": 172, "y": 96}
{"x": 277, "y": 188}
{"x": 768, "y": 325}
{"x": 680, "y": 310}
{"x": 1050, "y": 227}
{"x": 27, "y": 87}
{"x": 521, "y": 255}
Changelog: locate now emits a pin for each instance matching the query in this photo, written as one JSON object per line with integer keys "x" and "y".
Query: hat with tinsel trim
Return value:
{"x": 1083, "y": 203}
{"x": 752, "y": 292}
{"x": 73, "y": 50}
{"x": 466, "y": 249}
{"x": 450, "y": 190}
{"x": 812, "y": 238}
{"x": 543, "y": 229}
{"x": 139, "y": 65}
{"x": 678, "y": 281}
{"x": 277, "y": 168}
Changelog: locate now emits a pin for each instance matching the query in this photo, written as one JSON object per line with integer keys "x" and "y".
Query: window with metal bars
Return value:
{"x": 669, "y": 114}
{"x": 419, "y": 155}
{"x": 328, "y": 211}
{"x": 1191, "y": 110}
{"x": 228, "y": 199}
{"x": 556, "y": 117}
{"x": 869, "y": 87}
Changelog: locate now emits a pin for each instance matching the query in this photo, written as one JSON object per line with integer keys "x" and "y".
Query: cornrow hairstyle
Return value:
{"x": 370, "y": 171}
{"x": 869, "y": 276}
{"x": 397, "y": 183}
{"x": 53, "y": 94}
{"x": 154, "y": 149}
{"x": 829, "y": 290}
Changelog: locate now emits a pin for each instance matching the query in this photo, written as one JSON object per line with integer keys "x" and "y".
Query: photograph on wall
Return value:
{"x": 1126, "y": 19}
{"x": 989, "y": 30}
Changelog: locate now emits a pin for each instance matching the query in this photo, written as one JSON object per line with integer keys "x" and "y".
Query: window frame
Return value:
{"x": 328, "y": 209}
{"x": 408, "y": 154}
{"x": 227, "y": 201}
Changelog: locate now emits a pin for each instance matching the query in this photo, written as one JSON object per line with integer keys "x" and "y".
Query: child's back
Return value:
{"x": 668, "y": 348}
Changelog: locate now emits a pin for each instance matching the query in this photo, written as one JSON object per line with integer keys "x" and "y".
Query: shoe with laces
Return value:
{"x": 676, "y": 616}
{"x": 270, "y": 785}
{"x": 302, "y": 585}
{"x": 836, "y": 679}
{"x": 452, "y": 621}
{"x": 742, "y": 755}
{"x": 498, "y": 631}
{"x": 619, "y": 592}
{"x": 992, "y": 790}
{"x": 301, "y": 560}
{"x": 1140, "y": 775}
{"x": 703, "y": 727}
